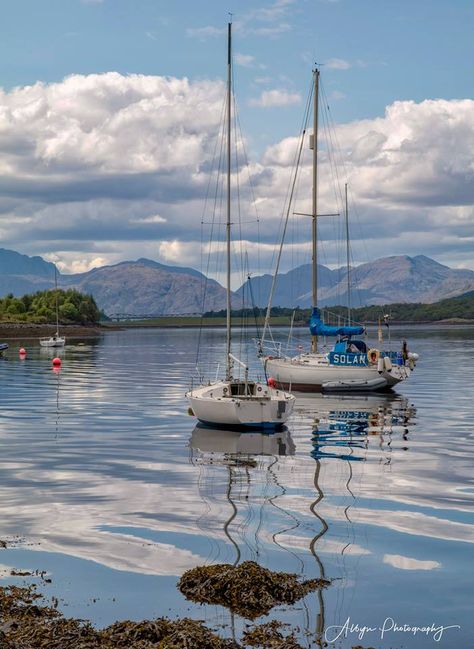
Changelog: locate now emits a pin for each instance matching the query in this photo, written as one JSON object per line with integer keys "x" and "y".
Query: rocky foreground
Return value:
{"x": 29, "y": 622}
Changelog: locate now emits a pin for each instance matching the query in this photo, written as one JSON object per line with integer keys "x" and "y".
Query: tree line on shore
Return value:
{"x": 461, "y": 307}
{"x": 40, "y": 308}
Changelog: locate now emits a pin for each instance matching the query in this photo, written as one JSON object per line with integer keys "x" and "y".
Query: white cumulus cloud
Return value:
{"x": 338, "y": 64}
{"x": 110, "y": 167}
{"x": 244, "y": 60}
{"x": 271, "y": 98}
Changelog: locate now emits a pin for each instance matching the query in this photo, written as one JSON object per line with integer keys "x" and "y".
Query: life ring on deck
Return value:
{"x": 373, "y": 355}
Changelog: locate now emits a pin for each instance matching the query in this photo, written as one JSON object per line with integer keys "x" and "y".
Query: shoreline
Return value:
{"x": 29, "y": 331}
{"x": 209, "y": 325}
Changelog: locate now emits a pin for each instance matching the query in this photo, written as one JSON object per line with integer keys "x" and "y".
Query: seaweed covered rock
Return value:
{"x": 248, "y": 589}
{"x": 269, "y": 636}
{"x": 127, "y": 633}
{"x": 20, "y": 604}
{"x": 161, "y": 634}
{"x": 26, "y": 624}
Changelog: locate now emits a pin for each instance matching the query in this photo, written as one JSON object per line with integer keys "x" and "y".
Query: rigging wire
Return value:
{"x": 219, "y": 140}
{"x": 290, "y": 202}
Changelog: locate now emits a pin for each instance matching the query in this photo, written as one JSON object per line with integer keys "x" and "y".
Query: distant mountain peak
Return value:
{"x": 429, "y": 261}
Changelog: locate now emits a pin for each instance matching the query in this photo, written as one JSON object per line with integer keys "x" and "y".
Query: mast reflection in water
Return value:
{"x": 243, "y": 453}
{"x": 341, "y": 430}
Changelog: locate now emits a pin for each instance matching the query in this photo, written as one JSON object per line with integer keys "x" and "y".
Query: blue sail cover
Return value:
{"x": 318, "y": 328}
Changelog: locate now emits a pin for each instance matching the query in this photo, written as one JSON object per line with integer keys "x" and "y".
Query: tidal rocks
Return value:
{"x": 247, "y": 589}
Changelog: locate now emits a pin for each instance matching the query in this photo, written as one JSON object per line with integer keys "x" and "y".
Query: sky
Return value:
{"x": 110, "y": 110}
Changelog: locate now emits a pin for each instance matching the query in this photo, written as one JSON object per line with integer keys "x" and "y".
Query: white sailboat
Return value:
{"x": 350, "y": 365}
{"x": 234, "y": 402}
{"x": 55, "y": 340}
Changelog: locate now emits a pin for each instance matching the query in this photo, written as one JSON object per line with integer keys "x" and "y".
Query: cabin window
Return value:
{"x": 243, "y": 390}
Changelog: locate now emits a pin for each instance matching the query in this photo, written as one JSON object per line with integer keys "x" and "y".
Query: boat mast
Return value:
{"x": 229, "y": 97}
{"x": 56, "y": 295}
{"x": 314, "y": 146}
{"x": 348, "y": 260}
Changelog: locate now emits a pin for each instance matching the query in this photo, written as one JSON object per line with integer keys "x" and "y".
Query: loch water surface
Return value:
{"x": 108, "y": 485}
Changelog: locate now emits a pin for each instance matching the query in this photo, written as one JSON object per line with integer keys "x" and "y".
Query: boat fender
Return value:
{"x": 380, "y": 366}
{"x": 387, "y": 363}
{"x": 373, "y": 355}
{"x": 411, "y": 364}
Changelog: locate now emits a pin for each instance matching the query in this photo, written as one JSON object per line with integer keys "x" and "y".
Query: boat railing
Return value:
{"x": 269, "y": 348}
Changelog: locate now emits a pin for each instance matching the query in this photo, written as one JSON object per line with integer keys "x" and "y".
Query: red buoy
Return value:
{"x": 22, "y": 352}
{"x": 56, "y": 362}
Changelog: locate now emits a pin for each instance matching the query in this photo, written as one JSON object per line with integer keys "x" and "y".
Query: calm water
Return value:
{"x": 107, "y": 485}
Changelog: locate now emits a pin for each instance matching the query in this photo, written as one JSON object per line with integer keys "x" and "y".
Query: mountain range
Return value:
{"x": 146, "y": 287}
{"x": 383, "y": 281}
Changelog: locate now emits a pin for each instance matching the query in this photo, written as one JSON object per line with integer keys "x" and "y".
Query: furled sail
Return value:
{"x": 318, "y": 328}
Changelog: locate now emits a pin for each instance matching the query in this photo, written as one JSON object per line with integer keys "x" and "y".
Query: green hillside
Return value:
{"x": 459, "y": 308}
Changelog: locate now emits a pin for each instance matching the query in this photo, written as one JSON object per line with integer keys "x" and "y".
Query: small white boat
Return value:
{"x": 53, "y": 341}
{"x": 241, "y": 404}
{"x": 234, "y": 402}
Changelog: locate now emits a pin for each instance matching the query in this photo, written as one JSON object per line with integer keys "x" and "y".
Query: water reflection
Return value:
{"x": 233, "y": 444}
{"x": 243, "y": 454}
{"x": 342, "y": 427}
{"x": 103, "y": 476}
{"x": 305, "y": 524}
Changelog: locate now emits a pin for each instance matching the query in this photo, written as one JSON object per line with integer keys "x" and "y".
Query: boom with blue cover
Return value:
{"x": 318, "y": 328}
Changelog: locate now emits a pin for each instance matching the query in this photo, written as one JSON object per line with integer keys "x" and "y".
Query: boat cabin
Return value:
{"x": 350, "y": 352}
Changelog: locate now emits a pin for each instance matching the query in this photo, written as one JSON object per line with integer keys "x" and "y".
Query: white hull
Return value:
{"x": 52, "y": 341}
{"x": 313, "y": 373}
{"x": 264, "y": 407}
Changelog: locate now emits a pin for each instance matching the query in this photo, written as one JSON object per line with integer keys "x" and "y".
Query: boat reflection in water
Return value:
{"x": 343, "y": 426}
{"x": 247, "y": 493}
{"x": 269, "y": 497}
{"x": 342, "y": 429}
{"x": 259, "y": 476}
{"x": 235, "y": 443}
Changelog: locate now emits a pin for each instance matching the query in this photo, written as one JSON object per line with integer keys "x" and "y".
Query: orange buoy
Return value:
{"x": 56, "y": 362}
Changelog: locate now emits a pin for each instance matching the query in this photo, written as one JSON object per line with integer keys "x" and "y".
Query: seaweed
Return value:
{"x": 269, "y": 636}
{"x": 247, "y": 589}
{"x": 26, "y": 624}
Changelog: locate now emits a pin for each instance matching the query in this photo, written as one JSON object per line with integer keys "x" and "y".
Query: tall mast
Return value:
{"x": 348, "y": 260}
{"x": 56, "y": 295}
{"x": 314, "y": 142}
{"x": 229, "y": 116}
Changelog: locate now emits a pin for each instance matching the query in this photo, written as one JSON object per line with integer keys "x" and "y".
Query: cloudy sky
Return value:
{"x": 110, "y": 110}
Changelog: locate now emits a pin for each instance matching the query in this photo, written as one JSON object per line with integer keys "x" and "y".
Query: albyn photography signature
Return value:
{"x": 389, "y": 625}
